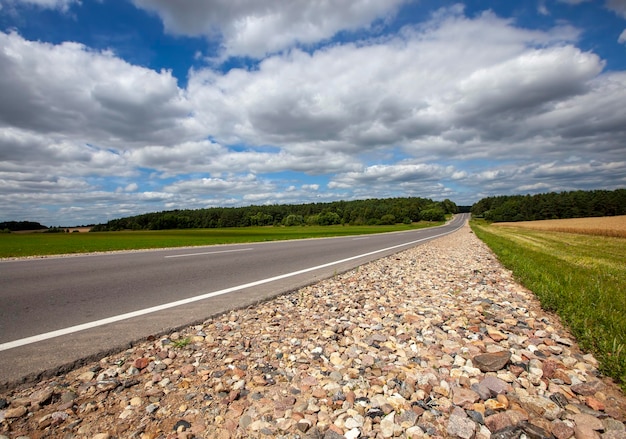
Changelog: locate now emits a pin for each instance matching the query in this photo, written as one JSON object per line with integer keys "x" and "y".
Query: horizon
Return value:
{"x": 116, "y": 108}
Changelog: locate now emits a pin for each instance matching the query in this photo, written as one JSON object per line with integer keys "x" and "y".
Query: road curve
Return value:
{"x": 58, "y": 312}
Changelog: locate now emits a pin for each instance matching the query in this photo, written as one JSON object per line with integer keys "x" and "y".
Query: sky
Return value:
{"x": 112, "y": 108}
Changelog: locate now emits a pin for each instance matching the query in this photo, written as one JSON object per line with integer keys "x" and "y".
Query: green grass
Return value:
{"x": 43, "y": 244}
{"x": 582, "y": 278}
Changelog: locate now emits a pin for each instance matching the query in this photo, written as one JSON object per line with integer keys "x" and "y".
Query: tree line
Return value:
{"x": 358, "y": 212}
{"x": 19, "y": 226}
{"x": 553, "y": 205}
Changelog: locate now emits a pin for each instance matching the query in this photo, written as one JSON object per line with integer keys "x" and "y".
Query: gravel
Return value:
{"x": 437, "y": 341}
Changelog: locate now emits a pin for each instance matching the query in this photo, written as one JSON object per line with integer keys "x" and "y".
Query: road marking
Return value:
{"x": 142, "y": 312}
{"x": 208, "y": 253}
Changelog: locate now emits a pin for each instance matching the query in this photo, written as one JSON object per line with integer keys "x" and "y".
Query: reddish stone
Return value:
{"x": 498, "y": 422}
{"x": 350, "y": 397}
{"x": 516, "y": 370}
{"x": 336, "y": 429}
{"x": 594, "y": 403}
{"x": 561, "y": 375}
{"x": 142, "y": 363}
{"x": 561, "y": 430}
{"x": 549, "y": 367}
{"x": 187, "y": 369}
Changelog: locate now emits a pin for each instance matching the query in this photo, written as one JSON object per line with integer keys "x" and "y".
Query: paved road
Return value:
{"x": 58, "y": 312}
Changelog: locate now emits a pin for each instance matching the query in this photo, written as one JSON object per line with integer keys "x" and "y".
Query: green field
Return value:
{"x": 43, "y": 244}
{"x": 582, "y": 278}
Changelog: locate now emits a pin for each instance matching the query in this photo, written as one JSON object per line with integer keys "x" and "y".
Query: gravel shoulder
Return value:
{"x": 437, "y": 341}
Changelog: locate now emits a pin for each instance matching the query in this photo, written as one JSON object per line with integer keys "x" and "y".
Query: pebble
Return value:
{"x": 436, "y": 341}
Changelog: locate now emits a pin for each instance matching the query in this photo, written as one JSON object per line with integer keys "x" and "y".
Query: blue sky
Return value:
{"x": 113, "y": 108}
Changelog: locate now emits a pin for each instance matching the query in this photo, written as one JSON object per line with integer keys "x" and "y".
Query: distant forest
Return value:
{"x": 575, "y": 204}
{"x": 359, "y": 212}
{"x": 18, "y": 226}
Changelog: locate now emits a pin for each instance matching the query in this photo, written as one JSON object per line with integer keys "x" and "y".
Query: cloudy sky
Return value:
{"x": 110, "y": 108}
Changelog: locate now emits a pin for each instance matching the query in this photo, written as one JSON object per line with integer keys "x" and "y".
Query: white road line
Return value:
{"x": 208, "y": 253}
{"x": 142, "y": 312}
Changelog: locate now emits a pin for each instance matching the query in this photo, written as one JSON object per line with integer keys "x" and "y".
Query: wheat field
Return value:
{"x": 612, "y": 226}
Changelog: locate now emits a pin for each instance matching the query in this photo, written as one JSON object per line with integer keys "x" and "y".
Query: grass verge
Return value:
{"x": 43, "y": 244}
{"x": 581, "y": 278}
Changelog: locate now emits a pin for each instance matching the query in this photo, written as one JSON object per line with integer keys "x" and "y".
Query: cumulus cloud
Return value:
{"x": 75, "y": 91}
{"x": 258, "y": 27}
{"x": 622, "y": 37}
{"x": 617, "y": 6}
{"x": 455, "y": 80}
{"x": 380, "y": 117}
{"x": 62, "y": 5}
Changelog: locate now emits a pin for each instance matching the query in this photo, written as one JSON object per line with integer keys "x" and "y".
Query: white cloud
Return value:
{"x": 382, "y": 117}
{"x": 477, "y": 79}
{"x": 617, "y": 6}
{"x": 402, "y": 174}
{"x": 622, "y": 37}
{"x": 62, "y": 5}
{"x": 71, "y": 90}
{"x": 258, "y": 27}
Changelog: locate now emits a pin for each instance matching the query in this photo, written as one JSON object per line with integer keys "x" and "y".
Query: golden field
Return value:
{"x": 613, "y": 226}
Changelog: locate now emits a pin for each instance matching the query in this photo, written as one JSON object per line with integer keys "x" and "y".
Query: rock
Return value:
{"x": 540, "y": 406}
{"x": 415, "y": 432}
{"x": 588, "y": 389}
{"x": 492, "y": 362}
{"x": 41, "y": 397}
{"x": 495, "y": 386}
{"x": 387, "y": 425}
{"x": 594, "y": 404}
{"x": 141, "y": 363}
{"x": 331, "y": 434}
{"x": 462, "y": 396}
{"x": 561, "y": 430}
{"x": 585, "y": 432}
{"x": 354, "y": 422}
{"x": 534, "y": 431}
{"x": 459, "y": 425}
{"x": 588, "y": 421}
{"x": 511, "y": 432}
{"x": 482, "y": 391}
{"x": 498, "y": 422}
{"x": 304, "y": 425}
{"x": 476, "y": 416}
{"x": 614, "y": 425}
{"x": 16, "y": 412}
{"x": 181, "y": 425}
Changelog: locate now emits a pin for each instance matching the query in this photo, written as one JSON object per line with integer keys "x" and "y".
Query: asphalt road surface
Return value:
{"x": 59, "y": 312}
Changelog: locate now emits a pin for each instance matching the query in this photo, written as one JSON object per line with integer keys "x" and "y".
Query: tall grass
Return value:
{"x": 611, "y": 226}
{"x": 580, "y": 278}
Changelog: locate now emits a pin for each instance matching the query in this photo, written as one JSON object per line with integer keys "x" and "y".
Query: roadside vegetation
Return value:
{"x": 579, "y": 276}
{"x": 574, "y": 204}
{"x": 41, "y": 244}
{"x": 372, "y": 212}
